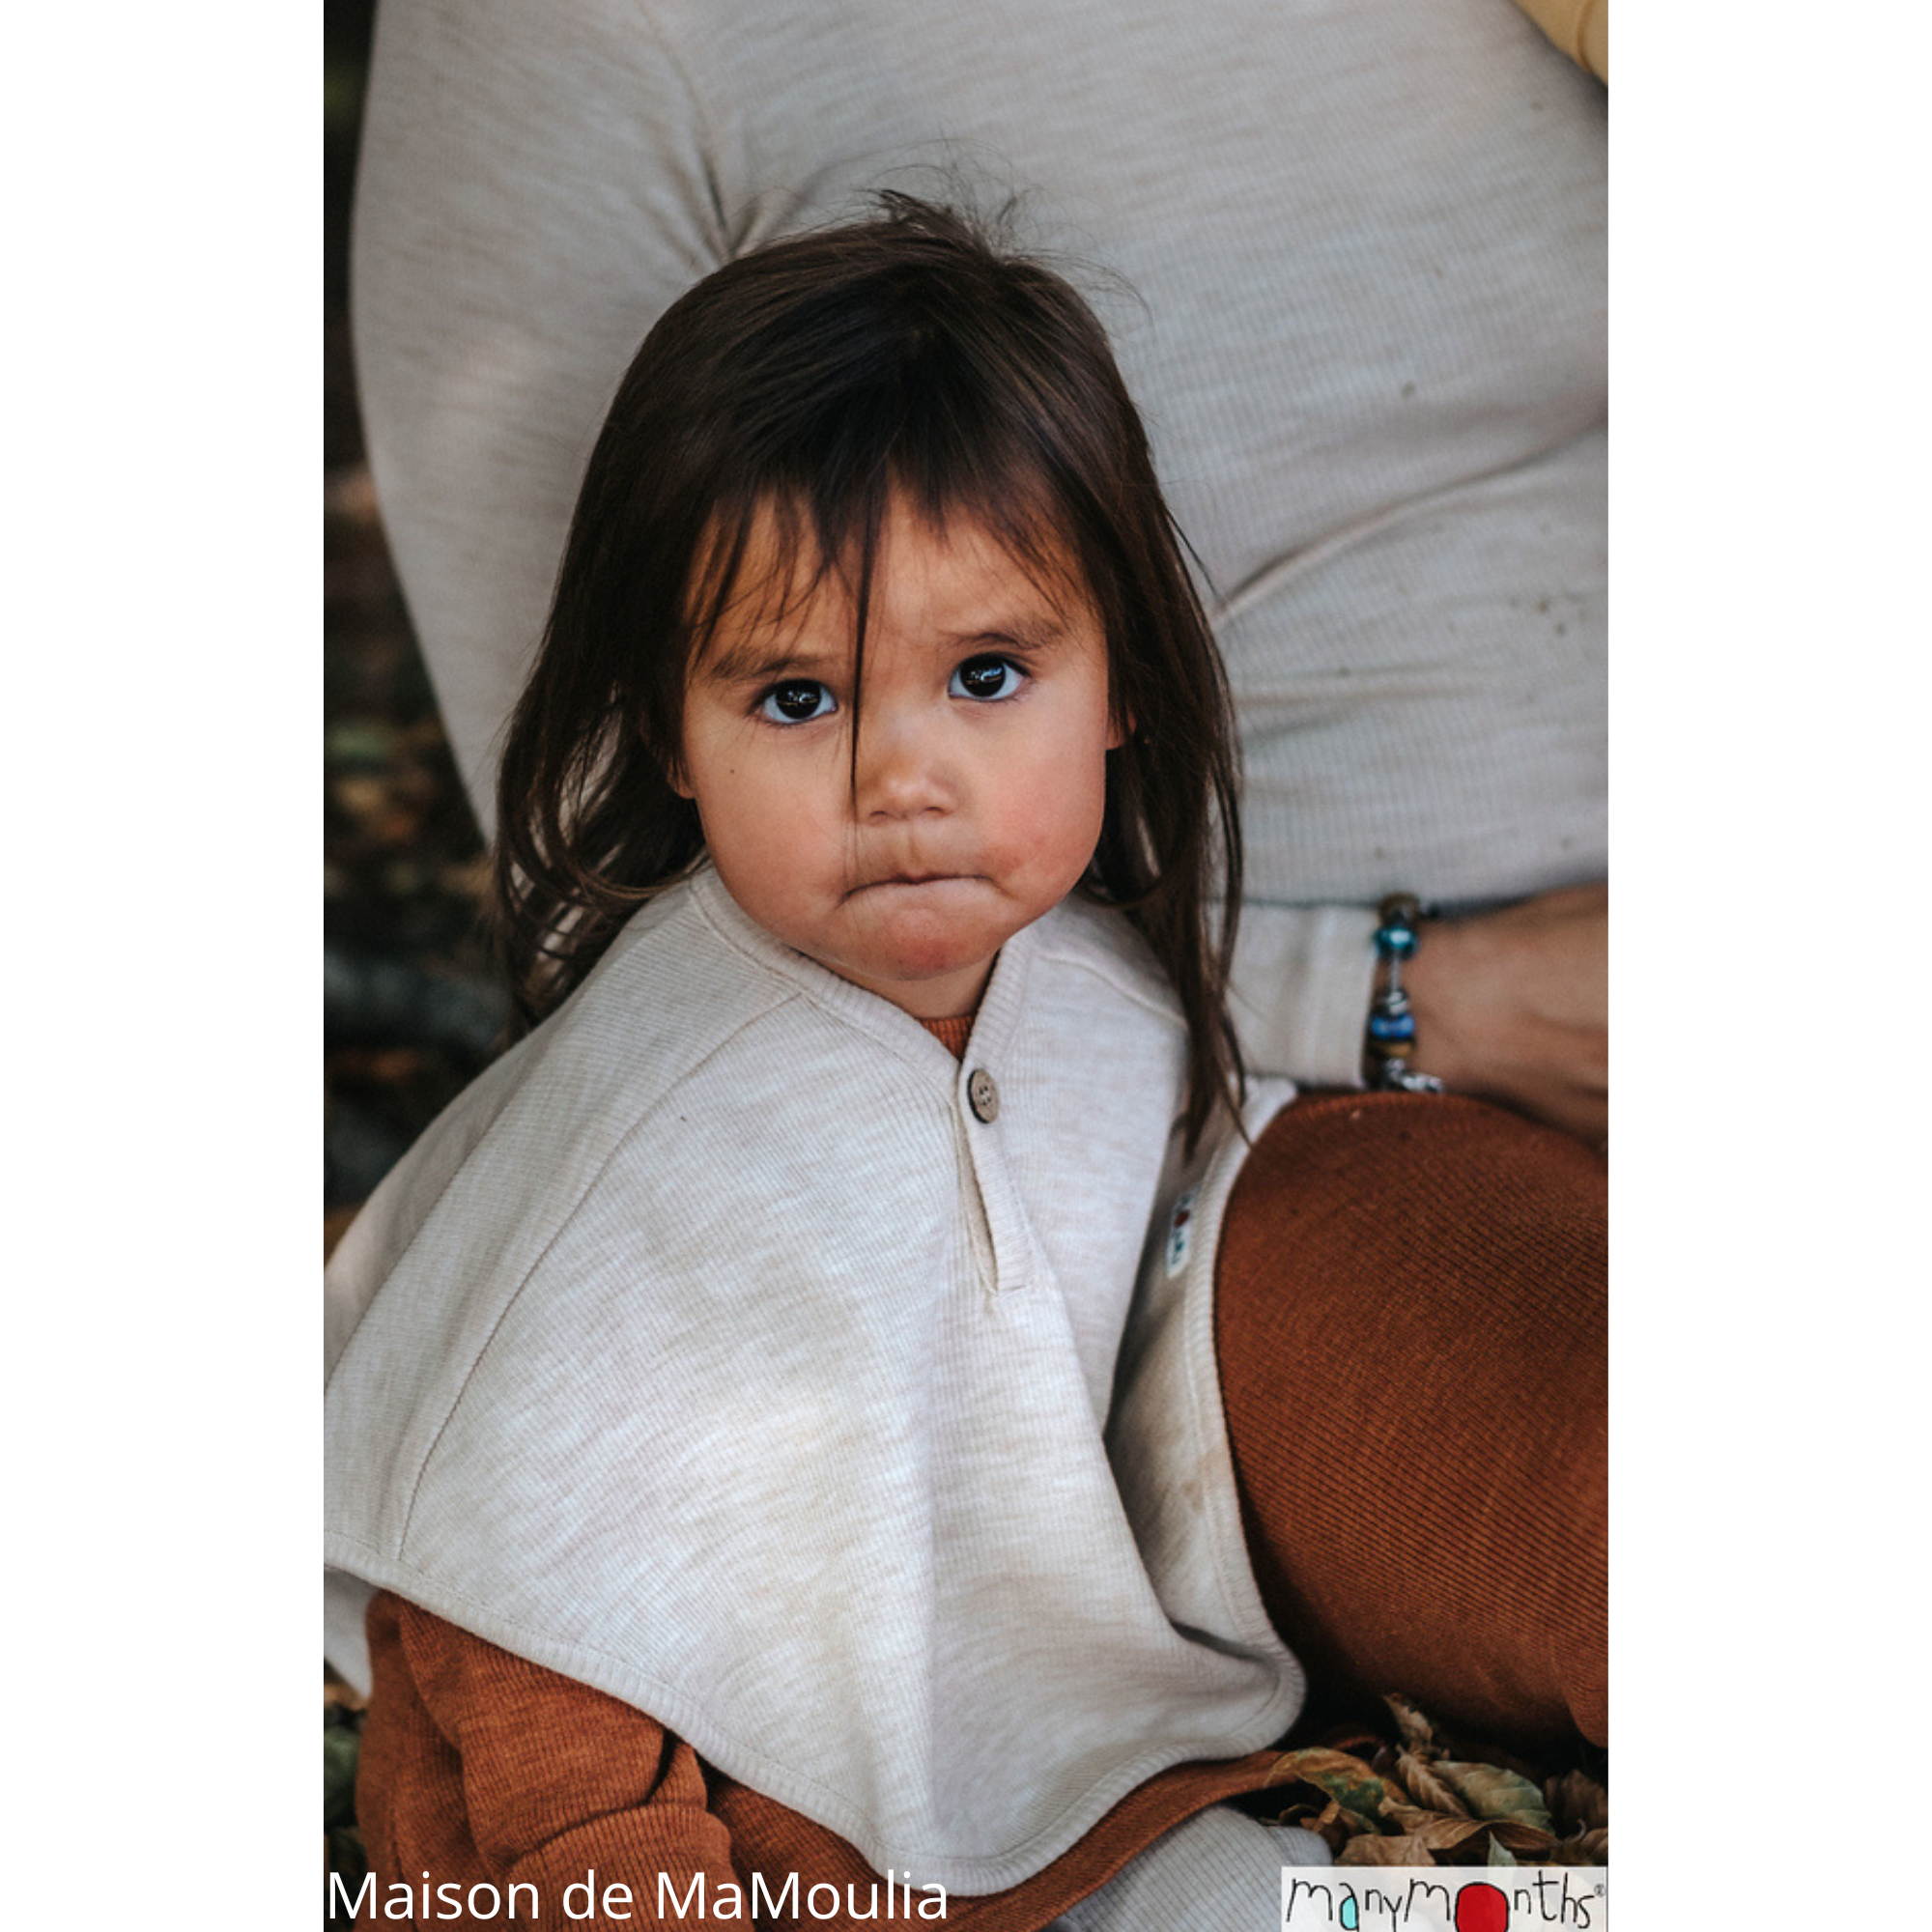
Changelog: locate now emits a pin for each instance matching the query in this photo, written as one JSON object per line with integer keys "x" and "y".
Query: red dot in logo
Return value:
{"x": 1481, "y": 1908}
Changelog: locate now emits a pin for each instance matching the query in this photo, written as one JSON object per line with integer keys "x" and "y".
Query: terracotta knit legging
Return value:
{"x": 1411, "y": 1324}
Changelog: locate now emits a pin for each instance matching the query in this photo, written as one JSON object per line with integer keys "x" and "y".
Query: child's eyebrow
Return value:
{"x": 756, "y": 661}
{"x": 1027, "y": 632}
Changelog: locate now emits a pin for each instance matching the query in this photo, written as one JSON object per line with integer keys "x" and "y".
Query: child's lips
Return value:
{"x": 911, "y": 879}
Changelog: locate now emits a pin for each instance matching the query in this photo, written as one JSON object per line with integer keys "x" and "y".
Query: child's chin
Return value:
{"x": 915, "y": 966}
{"x": 914, "y": 975}
{"x": 943, "y": 933}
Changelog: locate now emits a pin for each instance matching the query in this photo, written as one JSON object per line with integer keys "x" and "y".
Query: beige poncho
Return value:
{"x": 715, "y": 1350}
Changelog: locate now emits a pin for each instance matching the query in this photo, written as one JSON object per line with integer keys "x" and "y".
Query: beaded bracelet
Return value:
{"x": 1390, "y": 1044}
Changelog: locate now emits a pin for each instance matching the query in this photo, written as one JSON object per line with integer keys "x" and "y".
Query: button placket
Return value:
{"x": 1018, "y": 1260}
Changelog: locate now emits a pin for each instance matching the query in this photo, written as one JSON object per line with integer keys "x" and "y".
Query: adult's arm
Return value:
{"x": 1513, "y": 1006}
{"x": 1510, "y": 1006}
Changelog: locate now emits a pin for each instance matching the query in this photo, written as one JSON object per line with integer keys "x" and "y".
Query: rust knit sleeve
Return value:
{"x": 479, "y": 1767}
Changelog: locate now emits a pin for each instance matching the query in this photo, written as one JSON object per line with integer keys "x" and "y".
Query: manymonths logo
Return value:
{"x": 1433, "y": 1898}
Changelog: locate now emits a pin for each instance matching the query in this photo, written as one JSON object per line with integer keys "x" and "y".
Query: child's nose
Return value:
{"x": 902, "y": 770}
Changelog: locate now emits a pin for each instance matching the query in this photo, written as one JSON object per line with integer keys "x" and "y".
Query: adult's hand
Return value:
{"x": 1514, "y": 1006}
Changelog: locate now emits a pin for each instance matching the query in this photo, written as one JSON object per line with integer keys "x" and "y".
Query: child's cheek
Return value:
{"x": 1054, "y": 816}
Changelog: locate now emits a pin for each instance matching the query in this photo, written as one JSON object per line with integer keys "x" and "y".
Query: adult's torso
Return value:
{"x": 1360, "y": 288}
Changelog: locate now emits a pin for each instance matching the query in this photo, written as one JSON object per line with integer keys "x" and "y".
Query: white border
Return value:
{"x": 1767, "y": 725}
{"x": 163, "y": 679}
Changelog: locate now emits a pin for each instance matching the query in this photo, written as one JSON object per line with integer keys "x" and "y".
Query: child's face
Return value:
{"x": 982, "y": 768}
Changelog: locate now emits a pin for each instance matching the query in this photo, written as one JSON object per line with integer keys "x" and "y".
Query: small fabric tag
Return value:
{"x": 1181, "y": 1233}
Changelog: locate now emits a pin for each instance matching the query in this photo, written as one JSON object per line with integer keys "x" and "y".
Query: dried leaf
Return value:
{"x": 1490, "y": 1792}
{"x": 1426, "y": 1788}
{"x": 1435, "y": 1833}
{"x": 1448, "y": 1834}
{"x": 1526, "y": 1841}
{"x": 1297, "y": 1814}
{"x": 1418, "y": 1732}
{"x": 1350, "y": 1824}
{"x": 1413, "y": 1803}
{"x": 1343, "y": 1776}
{"x": 1327, "y": 1826}
{"x": 1383, "y": 1852}
{"x": 1577, "y": 1803}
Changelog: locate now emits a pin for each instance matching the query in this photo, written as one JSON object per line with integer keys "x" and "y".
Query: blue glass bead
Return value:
{"x": 1392, "y": 1026}
{"x": 1395, "y": 941}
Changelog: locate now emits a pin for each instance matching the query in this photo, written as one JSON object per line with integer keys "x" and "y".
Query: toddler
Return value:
{"x": 774, "y": 1434}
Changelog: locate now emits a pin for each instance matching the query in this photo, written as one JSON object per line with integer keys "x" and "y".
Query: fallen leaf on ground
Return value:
{"x": 1344, "y": 1777}
{"x": 1490, "y": 1792}
{"x": 1426, "y": 1788}
{"x": 1576, "y": 1802}
{"x": 1383, "y": 1852}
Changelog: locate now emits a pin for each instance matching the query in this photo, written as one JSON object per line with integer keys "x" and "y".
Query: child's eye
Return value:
{"x": 985, "y": 678}
{"x": 797, "y": 702}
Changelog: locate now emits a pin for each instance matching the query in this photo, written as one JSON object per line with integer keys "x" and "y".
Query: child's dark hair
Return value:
{"x": 820, "y": 378}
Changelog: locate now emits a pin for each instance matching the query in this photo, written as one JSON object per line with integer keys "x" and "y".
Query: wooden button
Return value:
{"x": 983, "y": 1096}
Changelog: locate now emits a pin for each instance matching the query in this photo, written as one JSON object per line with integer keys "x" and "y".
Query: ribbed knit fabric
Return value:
{"x": 953, "y": 1034}
{"x": 1410, "y": 1325}
{"x": 1216, "y": 1871}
